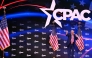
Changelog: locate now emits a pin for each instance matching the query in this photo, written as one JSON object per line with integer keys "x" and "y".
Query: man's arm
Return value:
{"x": 66, "y": 33}
{"x": 76, "y": 36}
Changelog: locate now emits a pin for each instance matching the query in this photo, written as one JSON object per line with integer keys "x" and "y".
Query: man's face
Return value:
{"x": 72, "y": 31}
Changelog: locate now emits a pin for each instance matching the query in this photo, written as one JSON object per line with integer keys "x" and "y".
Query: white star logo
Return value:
{"x": 49, "y": 15}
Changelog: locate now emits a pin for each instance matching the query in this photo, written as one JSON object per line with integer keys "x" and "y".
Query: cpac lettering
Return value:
{"x": 72, "y": 14}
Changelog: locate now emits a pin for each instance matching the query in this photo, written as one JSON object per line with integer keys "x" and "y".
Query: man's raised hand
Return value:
{"x": 76, "y": 35}
{"x": 66, "y": 31}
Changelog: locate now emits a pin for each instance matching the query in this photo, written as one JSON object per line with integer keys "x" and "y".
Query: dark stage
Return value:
{"x": 29, "y": 38}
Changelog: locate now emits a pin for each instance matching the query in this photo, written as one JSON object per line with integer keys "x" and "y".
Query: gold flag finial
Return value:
{"x": 4, "y": 9}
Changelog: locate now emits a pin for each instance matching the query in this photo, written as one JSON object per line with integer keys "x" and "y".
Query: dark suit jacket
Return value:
{"x": 69, "y": 39}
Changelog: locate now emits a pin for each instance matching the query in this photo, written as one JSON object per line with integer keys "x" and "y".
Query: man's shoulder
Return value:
{"x": 68, "y": 34}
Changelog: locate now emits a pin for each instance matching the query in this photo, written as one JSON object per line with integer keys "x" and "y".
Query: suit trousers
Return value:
{"x": 71, "y": 51}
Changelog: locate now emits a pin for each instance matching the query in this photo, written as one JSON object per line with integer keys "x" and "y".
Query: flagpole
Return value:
{"x": 4, "y": 10}
{"x": 3, "y": 53}
{"x": 54, "y": 54}
{"x": 4, "y": 15}
{"x": 54, "y": 51}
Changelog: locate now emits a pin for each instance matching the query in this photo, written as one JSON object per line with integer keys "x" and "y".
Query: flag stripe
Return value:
{"x": 7, "y": 32}
{"x": 1, "y": 44}
{"x": 80, "y": 43}
{"x": 6, "y": 35}
{"x": 4, "y": 32}
{"x": 4, "y": 38}
{"x": 54, "y": 42}
{"x": 2, "y": 41}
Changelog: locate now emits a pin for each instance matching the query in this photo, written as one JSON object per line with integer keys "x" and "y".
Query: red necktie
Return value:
{"x": 72, "y": 39}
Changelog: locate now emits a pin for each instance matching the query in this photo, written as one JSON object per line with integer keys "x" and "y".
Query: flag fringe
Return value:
{"x": 4, "y": 48}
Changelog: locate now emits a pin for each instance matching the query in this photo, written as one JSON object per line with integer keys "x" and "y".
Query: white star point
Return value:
{"x": 49, "y": 15}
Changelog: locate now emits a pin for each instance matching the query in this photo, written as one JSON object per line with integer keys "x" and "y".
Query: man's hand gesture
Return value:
{"x": 76, "y": 35}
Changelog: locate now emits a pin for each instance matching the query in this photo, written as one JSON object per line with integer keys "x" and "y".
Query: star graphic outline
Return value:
{"x": 49, "y": 15}
{"x": 82, "y": 3}
{"x": 73, "y": 6}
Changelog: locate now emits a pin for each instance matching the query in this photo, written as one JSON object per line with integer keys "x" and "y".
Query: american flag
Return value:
{"x": 4, "y": 34}
{"x": 79, "y": 42}
{"x": 54, "y": 40}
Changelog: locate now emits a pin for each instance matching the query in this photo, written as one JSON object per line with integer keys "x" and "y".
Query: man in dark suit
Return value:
{"x": 70, "y": 43}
